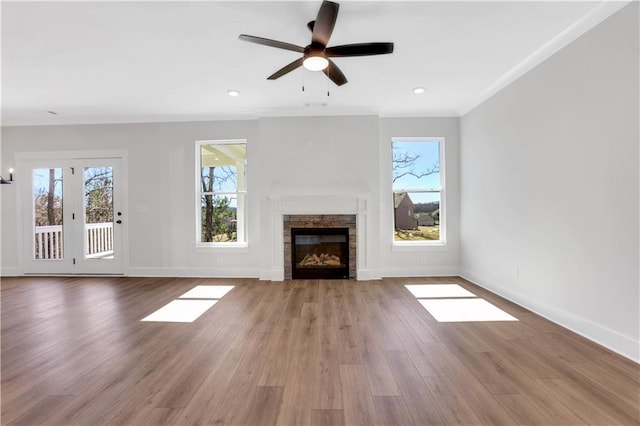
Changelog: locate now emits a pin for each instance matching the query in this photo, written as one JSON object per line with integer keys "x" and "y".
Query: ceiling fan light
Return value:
{"x": 315, "y": 63}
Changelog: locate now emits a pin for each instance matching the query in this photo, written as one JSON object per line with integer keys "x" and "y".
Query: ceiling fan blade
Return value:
{"x": 272, "y": 43}
{"x": 326, "y": 20}
{"x": 334, "y": 73}
{"x": 286, "y": 69}
{"x": 359, "y": 49}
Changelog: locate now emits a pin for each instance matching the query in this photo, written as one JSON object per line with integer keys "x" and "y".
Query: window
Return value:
{"x": 418, "y": 190}
{"x": 222, "y": 192}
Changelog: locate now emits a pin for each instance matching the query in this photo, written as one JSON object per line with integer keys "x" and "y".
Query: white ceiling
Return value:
{"x": 107, "y": 62}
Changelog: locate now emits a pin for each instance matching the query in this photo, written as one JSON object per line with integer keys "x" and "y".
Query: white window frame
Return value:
{"x": 242, "y": 242}
{"x": 412, "y": 245}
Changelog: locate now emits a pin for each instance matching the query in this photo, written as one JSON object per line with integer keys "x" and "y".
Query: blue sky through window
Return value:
{"x": 428, "y": 154}
{"x": 41, "y": 181}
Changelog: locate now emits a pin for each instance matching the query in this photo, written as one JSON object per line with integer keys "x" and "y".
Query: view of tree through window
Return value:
{"x": 47, "y": 197}
{"x": 98, "y": 194}
{"x": 417, "y": 189}
{"x": 222, "y": 191}
{"x": 47, "y": 213}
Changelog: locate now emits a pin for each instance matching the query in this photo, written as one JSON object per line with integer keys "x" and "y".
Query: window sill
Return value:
{"x": 413, "y": 246}
{"x": 222, "y": 248}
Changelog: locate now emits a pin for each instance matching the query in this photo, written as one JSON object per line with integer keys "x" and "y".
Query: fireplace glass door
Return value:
{"x": 321, "y": 253}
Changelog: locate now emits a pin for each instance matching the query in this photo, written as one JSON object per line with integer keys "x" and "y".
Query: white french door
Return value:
{"x": 74, "y": 220}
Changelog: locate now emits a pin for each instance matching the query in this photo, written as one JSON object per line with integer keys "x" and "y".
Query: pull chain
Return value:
{"x": 328, "y": 93}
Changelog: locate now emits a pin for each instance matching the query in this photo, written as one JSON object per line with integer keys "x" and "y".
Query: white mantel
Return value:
{"x": 317, "y": 204}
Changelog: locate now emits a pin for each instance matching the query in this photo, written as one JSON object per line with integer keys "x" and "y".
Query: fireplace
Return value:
{"x": 321, "y": 253}
{"x": 314, "y": 221}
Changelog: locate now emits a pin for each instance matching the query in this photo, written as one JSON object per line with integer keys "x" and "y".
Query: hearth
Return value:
{"x": 321, "y": 253}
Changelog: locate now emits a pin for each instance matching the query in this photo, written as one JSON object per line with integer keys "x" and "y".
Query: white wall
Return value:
{"x": 549, "y": 201}
{"x": 286, "y": 156}
{"x": 161, "y": 191}
{"x": 425, "y": 260}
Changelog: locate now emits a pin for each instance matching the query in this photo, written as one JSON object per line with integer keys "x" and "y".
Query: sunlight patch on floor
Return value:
{"x": 438, "y": 290}
{"x": 181, "y": 311}
{"x": 189, "y": 306}
{"x": 454, "y": 303}
{"x": 464, "y": 310}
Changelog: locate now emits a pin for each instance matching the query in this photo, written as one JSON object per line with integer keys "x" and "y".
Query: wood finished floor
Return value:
{"x": 74, "y": 352}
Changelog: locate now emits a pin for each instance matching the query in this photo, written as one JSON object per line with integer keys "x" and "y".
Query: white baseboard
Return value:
{"x": 276, "y": 274}
{"x": 417, "y": 271}
{"x": 194, "y": 272}
{"x": 10, "y": 272}
{"x": 367, "y": 275}
{"x": 611, "y": 339}
{"x": 164, "y": 272}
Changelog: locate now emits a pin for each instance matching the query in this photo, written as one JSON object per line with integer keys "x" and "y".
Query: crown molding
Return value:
{"x": 598, "y": 14}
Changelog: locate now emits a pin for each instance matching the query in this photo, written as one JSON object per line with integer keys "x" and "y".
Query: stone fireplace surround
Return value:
{"x": 317, "y": 208}
{"x": 319, "y": 221}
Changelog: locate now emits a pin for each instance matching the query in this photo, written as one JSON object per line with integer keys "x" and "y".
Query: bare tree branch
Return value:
{"x": 222, "y": 175}
{"x": 404, "y": 162}
{"x": 432, "y": 170}
{"x": 228, "y": 174}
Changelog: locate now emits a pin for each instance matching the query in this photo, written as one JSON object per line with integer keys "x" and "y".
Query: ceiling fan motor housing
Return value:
{"x": 314, "y": 49}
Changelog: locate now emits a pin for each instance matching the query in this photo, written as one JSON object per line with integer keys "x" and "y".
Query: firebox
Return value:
{"x": 320, "y": 253}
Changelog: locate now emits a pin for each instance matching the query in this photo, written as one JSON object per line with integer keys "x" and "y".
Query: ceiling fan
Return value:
{"x": 317, "y": 56}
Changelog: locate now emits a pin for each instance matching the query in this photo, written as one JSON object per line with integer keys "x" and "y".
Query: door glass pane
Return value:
{"x": 98, "y": 212}
{"x": 47, "y": 214}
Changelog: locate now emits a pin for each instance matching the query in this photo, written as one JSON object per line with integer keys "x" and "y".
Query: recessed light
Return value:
{"x": 418, "y": 90}
{"x": 233, "y": 93}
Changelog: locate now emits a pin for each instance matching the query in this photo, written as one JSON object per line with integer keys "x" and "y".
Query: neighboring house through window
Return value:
{"x": 222, "y": 192}
{"x": 418, "y": 190}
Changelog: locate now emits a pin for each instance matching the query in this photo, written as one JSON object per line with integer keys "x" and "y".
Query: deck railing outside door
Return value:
{"x": 98, "y": 242}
